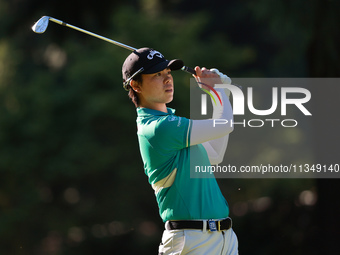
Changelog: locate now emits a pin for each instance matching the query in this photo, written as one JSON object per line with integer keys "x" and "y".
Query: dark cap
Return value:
{"x": 147, "y": 61}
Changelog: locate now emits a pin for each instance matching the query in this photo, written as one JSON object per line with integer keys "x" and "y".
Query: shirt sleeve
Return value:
{"x": 173, "y": 132}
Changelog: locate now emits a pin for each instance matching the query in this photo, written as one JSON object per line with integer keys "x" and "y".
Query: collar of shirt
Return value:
{"x": 142, "y": 112}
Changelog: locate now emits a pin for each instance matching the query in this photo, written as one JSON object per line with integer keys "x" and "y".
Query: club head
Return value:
{"x": 41, "y": 25}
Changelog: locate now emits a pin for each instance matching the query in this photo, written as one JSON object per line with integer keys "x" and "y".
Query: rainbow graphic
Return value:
{"x": 213, "y": 90}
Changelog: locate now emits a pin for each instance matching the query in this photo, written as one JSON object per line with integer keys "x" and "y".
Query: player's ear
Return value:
{"x": 135, "y": 85}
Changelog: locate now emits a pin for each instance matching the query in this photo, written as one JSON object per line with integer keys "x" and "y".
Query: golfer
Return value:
{"x": 194, "y": 210}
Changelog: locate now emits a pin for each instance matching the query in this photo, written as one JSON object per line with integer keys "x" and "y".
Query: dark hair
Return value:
{"x": 133, "y": 94}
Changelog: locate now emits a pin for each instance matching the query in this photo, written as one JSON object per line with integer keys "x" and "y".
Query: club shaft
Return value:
{"x": 188, "y": 70}
{"x": 92, "y": 34}
{"x": 184, "y": 68}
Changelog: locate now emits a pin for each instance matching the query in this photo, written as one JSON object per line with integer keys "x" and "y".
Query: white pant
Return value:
{"x": 198, "y": 242}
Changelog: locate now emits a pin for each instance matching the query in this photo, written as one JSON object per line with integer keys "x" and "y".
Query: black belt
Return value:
{"x": 212, "y": 225}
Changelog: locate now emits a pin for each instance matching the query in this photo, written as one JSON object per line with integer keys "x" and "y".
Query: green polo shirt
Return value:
{"x": 164, "y": 141}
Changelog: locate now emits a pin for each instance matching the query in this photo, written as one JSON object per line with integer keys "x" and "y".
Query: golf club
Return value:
{"x": 41, "y": 25}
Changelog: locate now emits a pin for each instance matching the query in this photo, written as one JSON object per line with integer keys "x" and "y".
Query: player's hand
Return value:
{"x": 206, "y": 77}
{"x": 224, "y": 78}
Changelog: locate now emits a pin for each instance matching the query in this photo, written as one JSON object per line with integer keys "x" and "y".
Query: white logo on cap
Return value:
{"x": 154, "y": 53}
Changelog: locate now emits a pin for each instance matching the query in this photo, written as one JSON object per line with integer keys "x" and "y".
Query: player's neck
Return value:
{"x": 155, "y": 106}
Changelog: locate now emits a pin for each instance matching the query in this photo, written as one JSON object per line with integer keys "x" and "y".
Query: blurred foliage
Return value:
{"x": 71, "y": 177}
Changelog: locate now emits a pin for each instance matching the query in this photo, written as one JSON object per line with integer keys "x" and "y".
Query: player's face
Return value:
{"x": 157, "y": 89}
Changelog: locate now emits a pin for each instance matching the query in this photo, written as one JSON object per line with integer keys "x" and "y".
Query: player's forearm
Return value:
{"x": 219, "y": 126}
{"x": 216, "y": 148}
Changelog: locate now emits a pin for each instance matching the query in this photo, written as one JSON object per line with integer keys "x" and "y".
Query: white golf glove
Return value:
{"x": 224, "y": 78}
